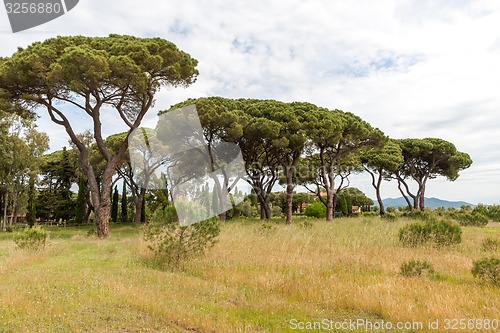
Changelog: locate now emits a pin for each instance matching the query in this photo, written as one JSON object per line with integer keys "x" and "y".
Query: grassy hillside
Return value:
{"x": 254, "y": 280}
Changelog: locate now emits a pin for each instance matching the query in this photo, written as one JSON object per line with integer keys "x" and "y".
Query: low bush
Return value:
{"x": 316, "y": 209}
{"x": 490, "y": 244}
{"x": 487, "y": 270}
{"x": 419, "y": 215}
{"x": 173, "y": 244}
{"x": 276, "y": 211}
{"x": 416, "y": 268}
{"x": 31, "y": 238}
{"x": 414, "y": 234}
{"x": 389, "y": 216}
{"x": 266, "y": 228}
{"x": 390, "y": 209}
{"x": 444, "y": 232}
{"x": 306, "y": 224}
{"x": 494, "y": 213}
{"x": 441, "y": 233}
{"x": 246, "y": 209}
{"x": 474, "y": 219}
{"x": 371, "y": 214}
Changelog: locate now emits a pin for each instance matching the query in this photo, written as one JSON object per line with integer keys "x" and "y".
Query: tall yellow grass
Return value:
{"x": 253, "y": 280}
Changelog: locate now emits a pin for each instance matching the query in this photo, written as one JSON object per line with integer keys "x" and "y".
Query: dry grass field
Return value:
{"x": 255, "y": 279}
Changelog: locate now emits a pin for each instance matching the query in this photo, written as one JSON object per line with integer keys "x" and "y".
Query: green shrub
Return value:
{"x": 316, "y": 209}
{"x": 418, "y": 215}
{"x": 266, "y": 228}
{"x": 488, "y": 270}
{"x": 494, "y": 213}
{"x": 389, "y": 216}
{"x": 173, "y": 244}
{"x": 92, "y": 233}
{"x": 490, "y": 244}
{"x": 390, "y": 209}
{"x": 306, "y": 224}
{"x": 471, "y": 219}
{"x": 415, "y": 268}
{"x": 414, "y": 234}
{"x": 31, "y": 238}
{"x": 276, "y": 211}
{"x": 439, "y": 232}
{"x": 247, "y": 209}
{"x": 370, "y": 214}
{"x": 444, "y": 232}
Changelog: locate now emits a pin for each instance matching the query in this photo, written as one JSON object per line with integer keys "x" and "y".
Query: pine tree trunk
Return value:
{"x": 138, "y": 206}
{"x": 102, "y": 220}
{"x": 422, "y": 198}
{"x": 102, "y": 203}
{"x": 380, "y": 203}
{"x": 265, "y": 209}
{"x": 330, "y": 207}
{"x": 379, "y": 196}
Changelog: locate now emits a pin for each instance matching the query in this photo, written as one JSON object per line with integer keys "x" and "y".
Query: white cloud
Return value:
{"x": 412, "y": 68}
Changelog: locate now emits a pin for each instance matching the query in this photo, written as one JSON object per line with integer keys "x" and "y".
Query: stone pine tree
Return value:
{"x": 337, "y": 138}
{"x": 425, "y": 159}
{"x": 381, "y": 163}
{"x": 86, "y": 76}
{"x": 261, "y": 161}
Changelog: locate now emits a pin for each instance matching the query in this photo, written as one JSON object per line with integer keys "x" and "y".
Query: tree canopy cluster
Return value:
{"x": 302, "y": 144}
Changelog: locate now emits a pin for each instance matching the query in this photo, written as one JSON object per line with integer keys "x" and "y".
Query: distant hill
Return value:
{"x": 429, "y": 203}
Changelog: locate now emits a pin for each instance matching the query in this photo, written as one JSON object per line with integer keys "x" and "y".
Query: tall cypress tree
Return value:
{"x": 114, "y": 206}
{"x": 65, "y": 176}
{"x": 124, "y": 217}
{"x": 343, "y": 206}
{"x": 81, "y": 201}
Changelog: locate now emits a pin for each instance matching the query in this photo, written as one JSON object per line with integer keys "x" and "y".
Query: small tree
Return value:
{"x": 172, "y": 244}
{"x": 344, "y": 209}
{"x": 380, "y": 163}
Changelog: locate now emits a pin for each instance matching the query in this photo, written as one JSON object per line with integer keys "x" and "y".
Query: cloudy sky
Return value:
{"x": 413, "y": 68}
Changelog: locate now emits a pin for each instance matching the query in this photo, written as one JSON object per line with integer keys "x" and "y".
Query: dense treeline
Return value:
{"x": 292, "y": 144}
{"x": 282, "y": 143}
